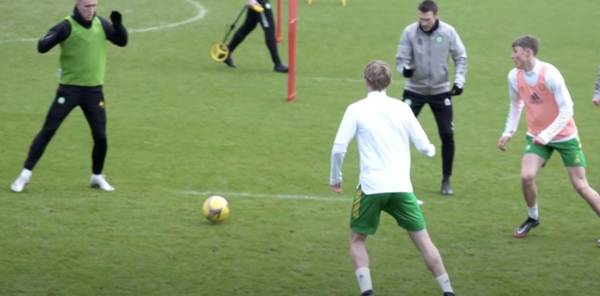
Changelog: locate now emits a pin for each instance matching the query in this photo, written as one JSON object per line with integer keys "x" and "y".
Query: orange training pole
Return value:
{"x": 293, "y": 22}
{"x": 278, "y": 25}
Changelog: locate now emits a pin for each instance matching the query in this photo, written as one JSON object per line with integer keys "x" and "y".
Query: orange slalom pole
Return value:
{"x": 278, "y": 25}
{"x": 292, "y": 24}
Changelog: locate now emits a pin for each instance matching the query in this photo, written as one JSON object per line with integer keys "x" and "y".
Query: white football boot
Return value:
{"x": 19, "y": 184}
{"x": 98, "y": 181}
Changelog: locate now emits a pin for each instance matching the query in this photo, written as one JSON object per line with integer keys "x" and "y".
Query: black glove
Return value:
{"x": 407, "y": 72}
{"x": 116, "y": 18}
{"x": 456, "y": 91}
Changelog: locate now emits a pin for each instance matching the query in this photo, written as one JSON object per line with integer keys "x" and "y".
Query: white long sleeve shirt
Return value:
{"x": 384, "y": 128}
{"x": 555, "y": 82}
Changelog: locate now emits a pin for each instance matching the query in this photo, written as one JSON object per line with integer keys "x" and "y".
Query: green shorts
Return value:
{"x": 403, "y": 206}
{"x": 570, "y": 151}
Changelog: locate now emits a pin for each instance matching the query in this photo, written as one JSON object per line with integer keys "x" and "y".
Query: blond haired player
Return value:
{"x": 384, "y": 128}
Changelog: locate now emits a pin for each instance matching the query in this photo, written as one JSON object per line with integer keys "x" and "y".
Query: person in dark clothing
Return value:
{"x": 82, "y": 38}
{"x": 258, "y": 12}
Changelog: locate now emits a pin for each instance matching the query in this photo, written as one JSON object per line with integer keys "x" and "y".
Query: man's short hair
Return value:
{"x": 527, "y": 41}
{"x": 427, "y": 6}
{"x": 378, "y": 75}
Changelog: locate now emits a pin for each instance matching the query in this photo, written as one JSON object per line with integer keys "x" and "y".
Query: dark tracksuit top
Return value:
{"x": 88, "y": 97}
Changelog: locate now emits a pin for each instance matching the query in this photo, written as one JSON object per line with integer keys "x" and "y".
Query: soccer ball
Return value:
{"x": 215, "y": 209}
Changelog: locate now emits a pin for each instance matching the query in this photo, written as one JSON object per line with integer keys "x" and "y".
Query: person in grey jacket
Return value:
{"x": 422, "y": 58}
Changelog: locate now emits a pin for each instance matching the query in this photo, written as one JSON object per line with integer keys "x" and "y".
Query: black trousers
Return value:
{"x": 441, "y": 107}
{"x": 91, "y": 102}
{"x": 267, "y": 23}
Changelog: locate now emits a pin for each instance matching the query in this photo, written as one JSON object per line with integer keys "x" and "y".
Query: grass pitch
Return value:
{"x": 181, "y": 126}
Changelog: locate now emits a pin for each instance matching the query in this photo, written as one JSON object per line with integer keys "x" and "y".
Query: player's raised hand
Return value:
{"x": 116, "y": 17}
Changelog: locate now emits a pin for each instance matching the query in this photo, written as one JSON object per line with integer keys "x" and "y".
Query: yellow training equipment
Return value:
{"x": 219, "y": 52}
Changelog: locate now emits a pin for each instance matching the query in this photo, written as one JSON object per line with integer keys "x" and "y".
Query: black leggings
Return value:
{"x": 267, "y": 23}
{"x": 441, "y": 107}
{"x": 91, "y": 101}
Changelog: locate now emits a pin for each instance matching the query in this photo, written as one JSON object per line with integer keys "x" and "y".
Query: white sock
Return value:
{"x": 533, "y": 212}
{"x": 444, "y": 282}
{"x": 363, "y": 276}
{"x": 26, "y": 173}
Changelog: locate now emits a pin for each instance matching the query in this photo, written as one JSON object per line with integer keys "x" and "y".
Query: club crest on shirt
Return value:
{"x": 543, "y": 87}
{"x": 535, "y": 99}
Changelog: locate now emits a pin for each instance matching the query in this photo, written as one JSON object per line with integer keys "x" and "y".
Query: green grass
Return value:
{"x": 180, "y": 123}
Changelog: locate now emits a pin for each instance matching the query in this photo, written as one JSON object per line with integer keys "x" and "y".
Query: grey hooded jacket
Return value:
{"x": 428, "y": 55}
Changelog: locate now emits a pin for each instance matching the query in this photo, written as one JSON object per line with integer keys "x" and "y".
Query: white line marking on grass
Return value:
{"x": 273, "y": 196}
{"x": 200, "y": 13}
{"x": 266, "y": 195}
{"x": 18, "y": 40}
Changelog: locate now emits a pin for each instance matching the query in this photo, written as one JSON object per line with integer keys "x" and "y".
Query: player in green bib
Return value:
{"x": 82, "y": 37}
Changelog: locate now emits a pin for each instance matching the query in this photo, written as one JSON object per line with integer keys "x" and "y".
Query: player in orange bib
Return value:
{"x": 540, "y": 88}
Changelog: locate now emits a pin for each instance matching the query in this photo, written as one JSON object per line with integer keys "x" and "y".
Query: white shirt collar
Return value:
{"x": 376, "y": 93}
{"x": 535, "y": 69}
